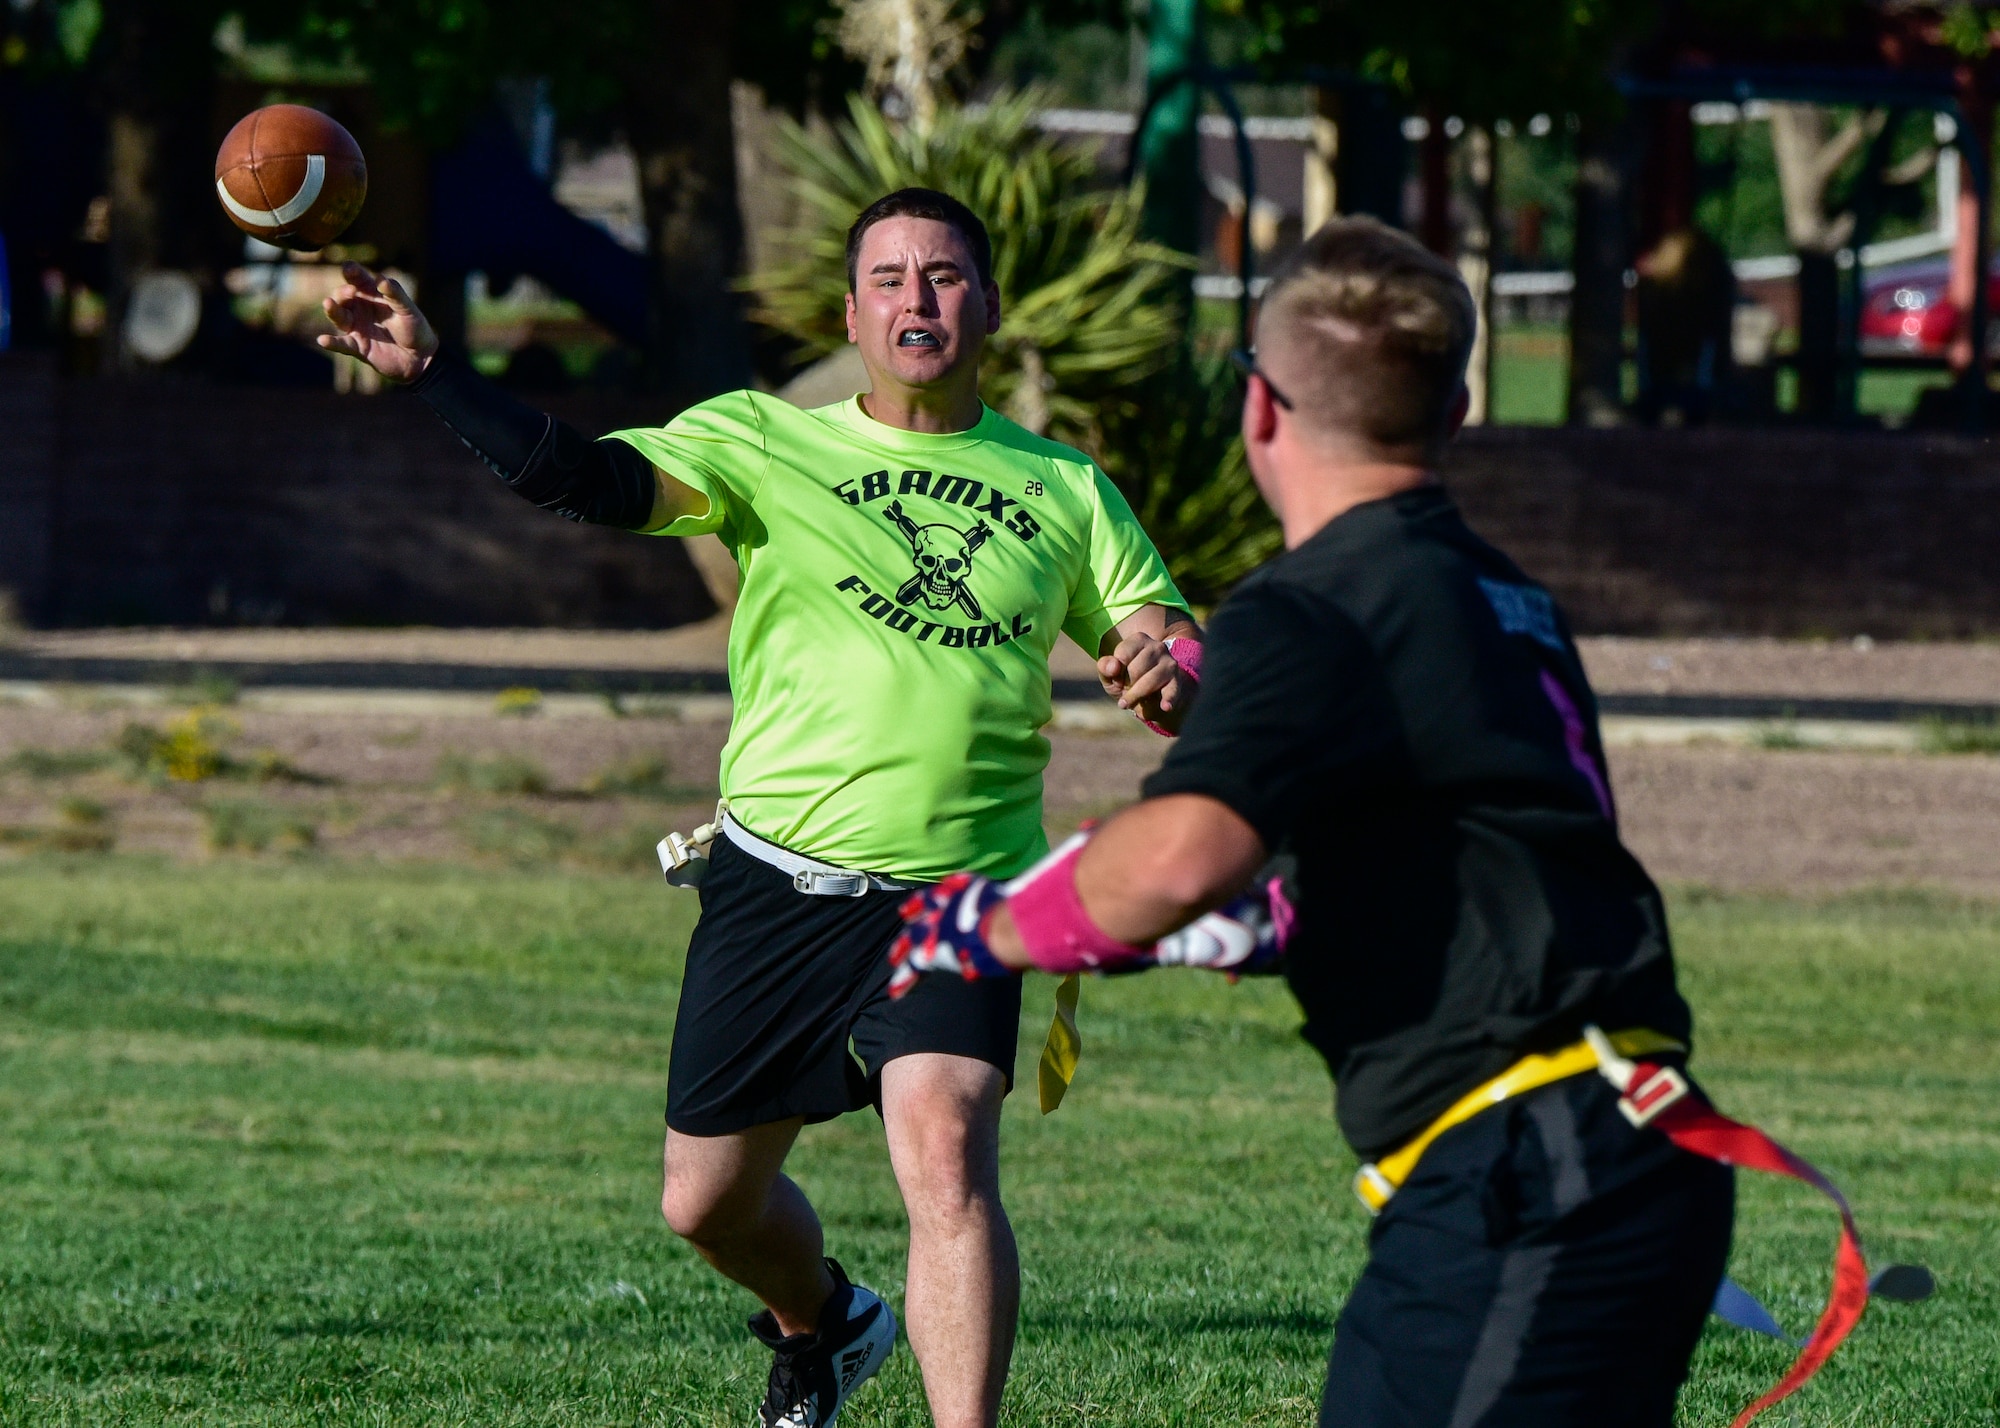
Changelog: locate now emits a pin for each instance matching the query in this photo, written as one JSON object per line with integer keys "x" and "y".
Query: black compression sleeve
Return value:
{"x": 545, "y": 461}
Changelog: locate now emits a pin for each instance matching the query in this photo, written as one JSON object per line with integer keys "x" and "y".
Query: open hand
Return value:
{"x": 1143, "y": 677}
{"x": 379, "y": 324}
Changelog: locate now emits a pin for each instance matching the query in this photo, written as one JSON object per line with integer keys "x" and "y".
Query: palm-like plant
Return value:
{"x": 1089, "y": 308}
{"x": 1176, "y": 453}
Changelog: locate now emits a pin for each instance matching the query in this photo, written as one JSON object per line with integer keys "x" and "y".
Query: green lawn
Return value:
{"x": 1530, "y": 377}
{"x": 304, "y": 1144}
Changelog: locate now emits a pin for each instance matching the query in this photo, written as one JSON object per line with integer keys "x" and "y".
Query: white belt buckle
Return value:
{"x": 814, "y": 883}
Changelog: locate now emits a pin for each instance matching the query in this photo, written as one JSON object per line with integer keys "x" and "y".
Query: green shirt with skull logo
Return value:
{"x": 901, "y": 592}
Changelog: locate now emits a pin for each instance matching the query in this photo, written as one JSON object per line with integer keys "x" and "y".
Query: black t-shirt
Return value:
{"x": 1396, "y": 704}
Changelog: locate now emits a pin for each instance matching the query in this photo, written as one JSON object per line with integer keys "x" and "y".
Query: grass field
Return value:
{"x": 311, "y": 1144}
{"x": 1531, "y": 376}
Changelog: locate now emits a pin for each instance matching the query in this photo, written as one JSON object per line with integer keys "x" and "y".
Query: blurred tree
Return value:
{"x": 1176, "y": 451}
{"x": 1824, "y": 215}
{"x": 47, "y": 147}
{"x": 1483, "y": 61}
{"x": 146, "y": 68}
{"x": 659, "y": 73}
{"x": 911, "y": 48}
{"x": 1486, "y": 60}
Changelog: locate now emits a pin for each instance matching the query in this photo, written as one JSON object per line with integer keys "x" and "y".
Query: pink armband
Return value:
{"x": 1186, "y": 653}
{"x": 1055, "y": 930}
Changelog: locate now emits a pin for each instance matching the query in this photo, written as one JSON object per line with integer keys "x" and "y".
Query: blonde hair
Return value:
{"x": 1368, "y": 333}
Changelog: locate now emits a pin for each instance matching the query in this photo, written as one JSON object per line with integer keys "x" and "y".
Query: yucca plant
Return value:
{"x": 1088, "y": 307}
{"x": 1176, "y": 452}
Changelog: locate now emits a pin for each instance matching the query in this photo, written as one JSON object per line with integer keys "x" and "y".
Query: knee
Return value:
{"x": 695, "y": 1210}
{"x": 949, "y": 1167}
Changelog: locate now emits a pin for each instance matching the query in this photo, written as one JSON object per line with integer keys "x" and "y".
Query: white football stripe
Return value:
{"x": 288, "y": 213}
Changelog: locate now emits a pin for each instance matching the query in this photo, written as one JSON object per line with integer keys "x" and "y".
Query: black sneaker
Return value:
{"x": 814, "y": 1373}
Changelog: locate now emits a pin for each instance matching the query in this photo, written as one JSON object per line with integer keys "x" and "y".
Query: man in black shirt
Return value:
{"x": 1396, "y": 706}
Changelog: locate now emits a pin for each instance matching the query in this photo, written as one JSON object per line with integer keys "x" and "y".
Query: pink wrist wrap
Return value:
{"x": 1187, "y": 654}
{"x": 1055, "y": 930}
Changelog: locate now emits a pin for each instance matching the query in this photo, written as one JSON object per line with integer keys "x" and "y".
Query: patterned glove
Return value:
{"x": 1243, "y": 937}
{"x": 944, "y": 930}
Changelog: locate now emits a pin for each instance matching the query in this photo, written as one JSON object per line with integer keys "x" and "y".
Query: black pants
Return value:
{"x": 779, "y": 986}
{"x": 1547, "y": 1266}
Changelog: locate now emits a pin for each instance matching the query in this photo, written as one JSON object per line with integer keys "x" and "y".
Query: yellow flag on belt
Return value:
{"x": 1064, "y": 1046}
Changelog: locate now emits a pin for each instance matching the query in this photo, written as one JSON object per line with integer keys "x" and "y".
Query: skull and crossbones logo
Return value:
{"x": 943, "y": 556}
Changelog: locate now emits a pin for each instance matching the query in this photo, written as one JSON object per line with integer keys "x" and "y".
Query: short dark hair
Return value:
{"x": 1368, "y": 331}
{"x": 923, "y": 203}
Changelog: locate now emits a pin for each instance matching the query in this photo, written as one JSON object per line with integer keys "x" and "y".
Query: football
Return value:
{"x": 291, "y": 176}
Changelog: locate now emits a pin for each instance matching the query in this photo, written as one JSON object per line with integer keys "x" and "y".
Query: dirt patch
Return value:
{"x": 600, "y": 791}
{"x": 1797, "y": 821}
{"x": 1797, "y": 669}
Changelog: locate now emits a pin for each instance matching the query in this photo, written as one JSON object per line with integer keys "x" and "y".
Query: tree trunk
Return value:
{"x": 1605, "y": 163}
{"x": 1808, "y": 159}
{"x": 682, "y": 135}
{"x": 156, "y": 89}
{"x": 1372, "y": 155}
{"x": 1819, "y": 336}
{"x": 1970, "y": 354}
{"x": 1434, "y": 185}
{"x": 1475, "y": 265}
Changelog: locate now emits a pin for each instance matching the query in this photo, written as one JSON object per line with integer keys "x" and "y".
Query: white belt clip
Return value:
{"x": 684, "y": 860}
{"x": 809, "y": 875}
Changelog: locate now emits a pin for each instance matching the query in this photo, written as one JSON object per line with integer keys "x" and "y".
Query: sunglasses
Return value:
{"x": 1244, "y": 359}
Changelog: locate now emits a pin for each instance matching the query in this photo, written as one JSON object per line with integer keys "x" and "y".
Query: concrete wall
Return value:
{"x": 173, "y": 502}
{"x": 1745, "y": 532}
{"x": 28, "y": 455}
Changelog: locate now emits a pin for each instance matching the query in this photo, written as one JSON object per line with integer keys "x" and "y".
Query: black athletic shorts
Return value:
{"x": 1547, "y": 1266}
{"x": 778, "y": 984}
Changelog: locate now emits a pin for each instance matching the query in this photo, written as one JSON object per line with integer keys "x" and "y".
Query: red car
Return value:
{"x": 1905, "y": 310}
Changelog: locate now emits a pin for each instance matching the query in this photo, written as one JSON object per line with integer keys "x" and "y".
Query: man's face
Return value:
{"x": 918, "y": 310}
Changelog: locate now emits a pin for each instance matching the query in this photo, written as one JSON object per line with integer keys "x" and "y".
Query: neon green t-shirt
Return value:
{"x": 900, "y": 595}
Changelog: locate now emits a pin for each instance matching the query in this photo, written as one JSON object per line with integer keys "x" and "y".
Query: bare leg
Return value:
{"x": 942, "y": 1114}
{"x": 726, "y": 1196}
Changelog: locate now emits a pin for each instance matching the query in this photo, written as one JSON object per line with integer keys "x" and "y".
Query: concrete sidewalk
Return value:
{"x": 1718, "y": 683}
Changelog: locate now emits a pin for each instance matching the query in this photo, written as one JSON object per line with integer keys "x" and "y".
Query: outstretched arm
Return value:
{"x": 1152, "y": 889}
{"x": 544, "y": 460}
{"x": 1151, "y": 870}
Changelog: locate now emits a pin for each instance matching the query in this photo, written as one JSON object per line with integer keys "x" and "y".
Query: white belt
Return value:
{"x": 809, "y": 875}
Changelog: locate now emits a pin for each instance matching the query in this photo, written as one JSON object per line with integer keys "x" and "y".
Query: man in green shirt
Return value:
{"x": 908, "y": 558}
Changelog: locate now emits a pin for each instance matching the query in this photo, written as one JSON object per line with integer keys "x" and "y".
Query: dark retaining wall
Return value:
{"x": 1724, "y": 531}
{"x": 171, "y": 502}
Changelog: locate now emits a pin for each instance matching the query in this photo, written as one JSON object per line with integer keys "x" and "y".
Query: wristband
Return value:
{"x": 1185, "y": 652}
{"x": 1056, "y": 931}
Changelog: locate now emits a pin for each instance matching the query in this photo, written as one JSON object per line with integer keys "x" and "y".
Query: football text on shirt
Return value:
{"x": 941, "y": 553}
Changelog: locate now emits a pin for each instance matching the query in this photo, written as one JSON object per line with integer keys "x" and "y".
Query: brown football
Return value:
{"x": 291, "y": 176}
